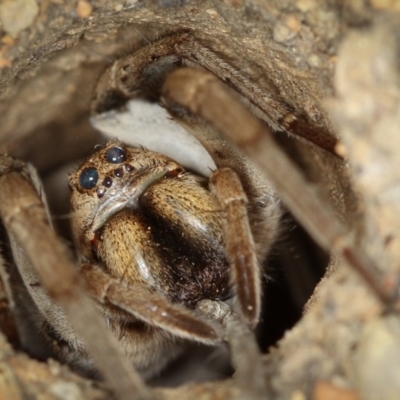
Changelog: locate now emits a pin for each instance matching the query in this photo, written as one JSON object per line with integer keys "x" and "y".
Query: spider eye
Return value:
{"x": 115, "y": 155}
{"x": 88, "y": 178}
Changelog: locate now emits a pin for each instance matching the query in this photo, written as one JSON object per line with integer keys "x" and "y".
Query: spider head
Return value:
{"x": 112, "y": 179}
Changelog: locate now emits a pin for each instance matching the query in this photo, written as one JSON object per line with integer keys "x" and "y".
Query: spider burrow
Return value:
{"x": 236, "y": 213}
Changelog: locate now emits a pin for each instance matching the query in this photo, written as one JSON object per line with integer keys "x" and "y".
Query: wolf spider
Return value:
{"x": 230, "y": 221}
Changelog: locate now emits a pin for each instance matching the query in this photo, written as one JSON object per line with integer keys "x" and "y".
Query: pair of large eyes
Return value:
{"x": 89, "y": 176}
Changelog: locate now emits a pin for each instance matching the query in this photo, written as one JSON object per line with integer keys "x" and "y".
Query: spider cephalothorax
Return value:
{"x": 151, "y": 223}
